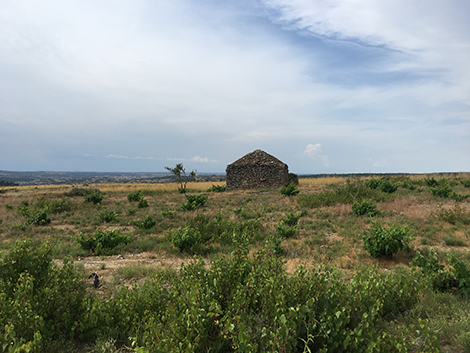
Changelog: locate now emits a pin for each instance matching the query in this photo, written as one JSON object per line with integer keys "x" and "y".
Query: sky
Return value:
{"x": 350, "y": 86}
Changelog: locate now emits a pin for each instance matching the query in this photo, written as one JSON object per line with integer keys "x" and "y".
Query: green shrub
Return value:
{"x": 286, "y": 231}
{"x": 407, "y": 184}
{"x": 204, "y": 230}
{"x": 102, "y": 242}
{"x": 40, "y": 219}
{"x": 458, "y": 214}
{"x": 142, "y": 203}
{"x": 194, "y": 201}
{"x": 288, "y": 226}
{"x": 386, "y": 242}
{"x": 147, "y": 223}
{"x": 365, "y": 207}
{"x": 54, "y": 206}
{"x": 96, "y": 197}
{"x": 465, "y": 183}
{"x": 250, "y": 304}
{"x": 452, "y": 241}
{"x": 167, "y": 213}
{"x": 458, "y": 197}
{"x": 441, "y": 278}
{"x": 23, "y": 209}
{"x": 442, "y": 190}
{"x": 80, "y": 191}
{"x": 217, "y": 188}
{"x": 347, "y": 193}
{"x": 135, "y": 196}
{"x": 40, "y": 301}
{"x": 185, "y": 239}
{"x": 431, "y": 182}
{"x": 289, "y": 190}
{"x": 106, "y": 216}
{"x": 386, "y": 185}
{"x": 8, "y": 207}
{"x": 383, "y": 184}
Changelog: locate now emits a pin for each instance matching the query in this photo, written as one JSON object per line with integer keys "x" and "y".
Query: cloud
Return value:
{"x": 312, "y": 150}
{"x": 127, "y": 157}
{"x": 117, "y": 156}
{"x": 148, "y": 77}
{"x": 196, "y": 159}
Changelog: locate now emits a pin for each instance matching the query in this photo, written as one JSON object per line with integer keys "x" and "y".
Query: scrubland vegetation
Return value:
{"x": 328, "y": 265}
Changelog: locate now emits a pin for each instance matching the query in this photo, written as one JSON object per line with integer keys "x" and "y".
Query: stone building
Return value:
{"x": 257, "y": 169}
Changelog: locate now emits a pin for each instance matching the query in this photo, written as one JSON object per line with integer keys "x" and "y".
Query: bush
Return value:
{"x": 383, "y": 184}
{"x": 147, "y": 223}
{"x": 452, "y": 241}
{"x": 54, "y": 206}
{"x": 347, "y": 193}
{"x": 96, "y": 197}
{"x": 288, "y": 226}
{"x": 465, "y": 183}
{"x": 23, "y": 209}
{"x": 40, "y": 301}
{"x": 204, "y": 230}
{"x": 365, "y": 207}
{"x": 80, "y": 191}
{"x": 286, "y": 231}
{"x": 458, "y": 197}
{"x": 194, "y": 201}
{"x": 432, "y": 183}
{"x": 289, "y": 190}
{"x": 407, "y": 184}
{"x": 135, "y": 196}
{"x": 386, "y": 242}
{"x": 251, "y": 304}
{"x": 106, "y": 216}
{"x": 217, "y": 188}
{"x": 167, "y": 213}
{"x": 142, "y": 203}
{"x": 40, "y": 219}
{"x": 102, "y": 241}
{"x": 458, "y": 214}
{"x": 185, "y": 239}
{"x": 442, "y": 190}
{"x": 441, "y": 278}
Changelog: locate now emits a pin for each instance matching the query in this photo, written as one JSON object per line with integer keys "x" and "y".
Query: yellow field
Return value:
{"x": 202, "y": 186}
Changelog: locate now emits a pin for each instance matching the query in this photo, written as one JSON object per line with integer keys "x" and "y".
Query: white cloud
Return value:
{"x": 312, "y": 150}
{"x": 154, "y": 77}
{"x": 196, "y": 159}
{"x": 200, "y": 159}
{"x": 117, "y": 156}
{"x": 127, "y": 157}
{"x": 435, "y": 35}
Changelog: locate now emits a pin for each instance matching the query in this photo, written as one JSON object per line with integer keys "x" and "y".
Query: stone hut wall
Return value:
{"x": 256, "y": 170}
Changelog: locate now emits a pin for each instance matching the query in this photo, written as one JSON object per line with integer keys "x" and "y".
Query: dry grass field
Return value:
{"x": 327, "y": 232}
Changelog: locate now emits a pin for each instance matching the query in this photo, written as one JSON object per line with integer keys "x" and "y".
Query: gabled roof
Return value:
{"x": 257, "y": 157}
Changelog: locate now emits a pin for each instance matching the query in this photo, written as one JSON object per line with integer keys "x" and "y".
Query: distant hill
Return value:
{"x": 9, "y": 178}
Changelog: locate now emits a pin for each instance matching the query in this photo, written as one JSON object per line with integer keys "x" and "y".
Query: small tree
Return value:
{"x": 181, "y": 177}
